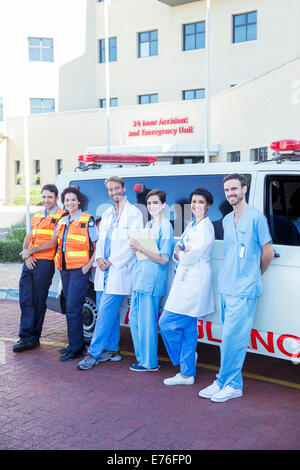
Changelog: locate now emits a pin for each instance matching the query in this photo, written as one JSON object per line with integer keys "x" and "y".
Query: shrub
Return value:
{"x": 35, "y": 197}
{"x": 13, "y": 245}
{"x": 17, "y": 232}
{"x": 9, "y": 251}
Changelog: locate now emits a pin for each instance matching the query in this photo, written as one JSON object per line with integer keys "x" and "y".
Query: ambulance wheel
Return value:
{"x": 89, "y": 313}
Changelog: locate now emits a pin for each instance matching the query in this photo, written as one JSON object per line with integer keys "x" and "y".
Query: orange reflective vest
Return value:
{"x": 42, "y": 231}
{"x": 77, "y": 249}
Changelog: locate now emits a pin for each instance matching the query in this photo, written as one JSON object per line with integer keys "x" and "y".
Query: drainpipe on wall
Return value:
{"x": 207, "y": 91}
{"x": 107, "y": 78}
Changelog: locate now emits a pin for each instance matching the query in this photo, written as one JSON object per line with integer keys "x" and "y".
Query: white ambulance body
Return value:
{"x": 274, "y": 189}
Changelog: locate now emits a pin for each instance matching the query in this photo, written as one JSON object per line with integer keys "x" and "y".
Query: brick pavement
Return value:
{"x": 46, "y": 404}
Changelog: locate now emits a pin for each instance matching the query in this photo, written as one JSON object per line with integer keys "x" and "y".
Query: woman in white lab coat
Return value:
{"x": 191, "y": 295}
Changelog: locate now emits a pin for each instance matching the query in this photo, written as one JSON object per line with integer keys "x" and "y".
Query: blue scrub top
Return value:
{"x": 92, "y": 229}
{"x": 240, "y": 273}
{"x": 150, "y": 277}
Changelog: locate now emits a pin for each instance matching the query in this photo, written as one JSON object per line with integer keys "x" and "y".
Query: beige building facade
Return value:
{"x": 157, "y": 83}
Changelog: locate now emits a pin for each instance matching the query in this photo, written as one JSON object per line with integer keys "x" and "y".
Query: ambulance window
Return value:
{"x": 283, "y": 209}
{"x": 178, "y": 189}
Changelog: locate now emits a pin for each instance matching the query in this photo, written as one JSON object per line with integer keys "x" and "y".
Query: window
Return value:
{"x": 112, "y": 101}
{"x": 187, "y": 160}
{"x": 112, "y": 50}
{"x": 233, "y": 156}
{"x": 17, "y": 170}
{"x": 258, "y": 155}
{"x": 42, "y": 105}
{"x": 58, "y": 166}
{"x": 283, "y": 208}
{"x": 36, "y": 172}
{"x": 196, "y": 94}
{"x": 194, "y": 36}
{"x": 178, "y": 189}
{"x": 40, "y": 49}
{"x": 148, "y": 43}
{"x": 146, "y": 99}
{"x": 245, "y": 27}
{"x": 1, "y": 109}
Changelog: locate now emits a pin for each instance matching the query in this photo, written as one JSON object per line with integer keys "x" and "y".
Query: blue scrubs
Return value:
{"x": 149, "y": 285}
{"x": 180, "y": 336}
{"x": 106, "y": 335}
{"x": 75, "y": 286}
{"x": 239, "y": 285}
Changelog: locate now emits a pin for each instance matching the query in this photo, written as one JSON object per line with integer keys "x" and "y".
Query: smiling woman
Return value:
{"x": 76, "y": 236}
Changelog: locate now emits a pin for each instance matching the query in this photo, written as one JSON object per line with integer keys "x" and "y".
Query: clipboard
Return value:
{"x": 145, "y": 237}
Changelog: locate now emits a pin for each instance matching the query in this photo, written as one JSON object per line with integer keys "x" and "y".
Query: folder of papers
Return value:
{"x": 145, "y": 237}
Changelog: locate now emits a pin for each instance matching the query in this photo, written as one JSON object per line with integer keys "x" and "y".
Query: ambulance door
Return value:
{"x": 276, "y": 330}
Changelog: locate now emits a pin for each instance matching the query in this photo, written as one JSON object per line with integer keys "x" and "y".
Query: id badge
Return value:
{"x": 242, "y": 251}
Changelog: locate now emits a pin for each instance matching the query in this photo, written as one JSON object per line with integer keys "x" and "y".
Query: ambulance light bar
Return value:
{"x": 286, "y": 146}
{"x": 119, "y": 159}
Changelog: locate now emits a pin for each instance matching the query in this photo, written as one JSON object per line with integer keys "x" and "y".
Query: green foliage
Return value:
{"x": 9, "y": 251}
{"x": 17, "y": 232}
{"x": 35, "y": 197}
{"x": 13, "y": 245}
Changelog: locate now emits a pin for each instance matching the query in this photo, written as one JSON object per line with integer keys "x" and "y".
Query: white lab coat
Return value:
{"x": 192, "y": 288}
{"x": 122, "y": 258}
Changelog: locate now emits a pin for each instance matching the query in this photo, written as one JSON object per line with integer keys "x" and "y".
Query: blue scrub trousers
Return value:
{"x": 75, "y": 286}
{"x": 237, "y": 315}
{"x": 180, "y": 335}
{"x": 33, "y": 292}
{"x": 143, "y": 321}
{"x": 106, "y": 335}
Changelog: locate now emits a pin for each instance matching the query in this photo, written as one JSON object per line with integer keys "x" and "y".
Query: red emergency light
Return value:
{"x": 120, "y": 159}
{"x": 286, "y": 146}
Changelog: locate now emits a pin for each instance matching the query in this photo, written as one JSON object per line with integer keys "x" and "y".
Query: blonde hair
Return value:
{"x": 115, "y": 179}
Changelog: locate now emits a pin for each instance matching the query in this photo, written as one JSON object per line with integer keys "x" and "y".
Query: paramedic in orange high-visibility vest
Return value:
{"x": 38, "y": 270}
{"x": 76, "y": 235}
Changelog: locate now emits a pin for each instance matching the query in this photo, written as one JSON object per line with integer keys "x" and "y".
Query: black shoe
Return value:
{"x": 70, "y": 355}
{"x": 22, "y": 345}
{"x": 64, "y": 350}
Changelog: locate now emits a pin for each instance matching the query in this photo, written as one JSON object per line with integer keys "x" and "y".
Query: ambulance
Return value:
{"x": 274, "y": 189}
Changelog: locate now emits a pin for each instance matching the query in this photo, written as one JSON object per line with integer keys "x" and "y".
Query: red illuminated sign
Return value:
{"x": 158, "y": 127}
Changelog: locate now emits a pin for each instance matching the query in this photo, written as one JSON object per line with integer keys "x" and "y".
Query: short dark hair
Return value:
{"x": 202, "y": 192}
{"x": 74, "y": 190}
{"x": 237, "y": 176}
{"x": 159, "y": 193}
{"x": 50, "y": 187}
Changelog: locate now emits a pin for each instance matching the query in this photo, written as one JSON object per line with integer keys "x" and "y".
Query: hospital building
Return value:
{"x": 186, "y": 81}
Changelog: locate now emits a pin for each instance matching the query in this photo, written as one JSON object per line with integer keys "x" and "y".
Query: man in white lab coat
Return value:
{"x": 113, "y": 279}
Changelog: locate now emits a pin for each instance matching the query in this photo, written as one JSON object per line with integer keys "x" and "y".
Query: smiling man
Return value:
{"x": 38, "y": 270}
{"x": 247, "y": 254}
{"x": 113, "y": 278}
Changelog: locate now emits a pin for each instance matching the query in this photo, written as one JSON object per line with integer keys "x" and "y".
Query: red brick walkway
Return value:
{"x": 46, "y": 404}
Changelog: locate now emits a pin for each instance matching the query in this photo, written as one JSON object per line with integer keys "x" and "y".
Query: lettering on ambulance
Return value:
{"x": 126, "y": 320}
{"x": 280, "y": 342}
{"x": 255, "y": 338}
{"x": 200, "y": 329}
{"x": 269, "y": 346}
{"x": 209, "y": 334}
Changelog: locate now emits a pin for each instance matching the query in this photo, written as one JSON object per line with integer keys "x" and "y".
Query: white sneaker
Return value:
{"x": 179, "y": 380}
{"x": 209, "y": 391}
{"x": 226, "y": 393}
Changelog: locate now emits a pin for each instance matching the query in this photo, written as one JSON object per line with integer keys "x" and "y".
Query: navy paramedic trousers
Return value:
{"x": 75, "y": 286}
{"x": 33, "y": 292}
